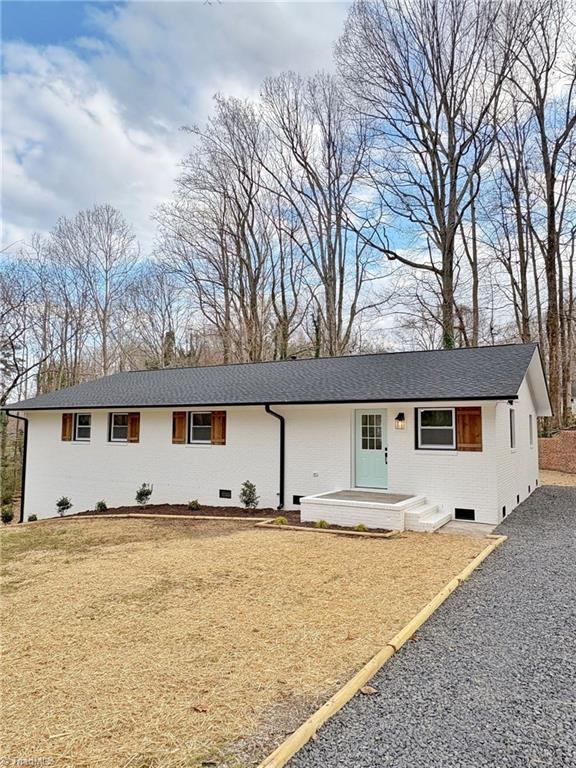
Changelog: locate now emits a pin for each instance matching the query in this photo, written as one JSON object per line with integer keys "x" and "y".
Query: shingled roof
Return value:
{"x": 482, "y": 373}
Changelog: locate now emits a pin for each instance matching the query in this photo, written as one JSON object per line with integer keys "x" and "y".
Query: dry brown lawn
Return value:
{"x": 169, "y": 643}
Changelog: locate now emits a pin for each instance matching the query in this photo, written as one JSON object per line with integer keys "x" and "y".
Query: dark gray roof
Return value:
{"x": 460, "y": 374}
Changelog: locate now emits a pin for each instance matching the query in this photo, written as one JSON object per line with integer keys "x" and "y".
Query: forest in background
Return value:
{"x": 420, "y": 196}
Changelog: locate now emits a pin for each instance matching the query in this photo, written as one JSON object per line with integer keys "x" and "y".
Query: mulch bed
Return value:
{"x": 293, "y": 517}
{"x": 207, "y": 511}
{"x": 331, "y": 527}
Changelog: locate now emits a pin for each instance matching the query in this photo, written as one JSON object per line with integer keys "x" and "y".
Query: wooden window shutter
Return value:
{"x": 179, "y": 427}
{"x": 133, "y": 427}
{"x": 469, "y": 429}
{"x": 67, "y": 426}
{"x": 218, "y": 427}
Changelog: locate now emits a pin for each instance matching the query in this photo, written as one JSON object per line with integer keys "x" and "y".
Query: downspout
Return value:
{"x": 24, "y": 454}
{"x": 282, "y": 452}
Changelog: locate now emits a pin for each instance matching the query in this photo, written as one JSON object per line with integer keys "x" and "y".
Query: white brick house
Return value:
{"x": 414, "y": 439}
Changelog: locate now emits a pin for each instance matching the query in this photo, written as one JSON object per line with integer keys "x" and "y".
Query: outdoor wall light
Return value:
{"x": 400, "y": 421}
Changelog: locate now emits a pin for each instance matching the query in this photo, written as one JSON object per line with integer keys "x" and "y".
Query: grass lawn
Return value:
{"x": 174, "y": 643}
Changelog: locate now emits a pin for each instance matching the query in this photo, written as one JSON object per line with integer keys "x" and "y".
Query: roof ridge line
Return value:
{"x": 326, "y": 357}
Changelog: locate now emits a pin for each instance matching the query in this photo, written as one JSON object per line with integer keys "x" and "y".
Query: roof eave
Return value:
{"x": 214, "y": 403}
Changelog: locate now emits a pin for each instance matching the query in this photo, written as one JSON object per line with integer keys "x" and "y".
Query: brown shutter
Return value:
{"x": 133, "y": 427}
{"x": 179, "y": 427}
{"x": 218, "y": 427}
{"x": 469, "y": 429}
{"x": 67, "y": 424}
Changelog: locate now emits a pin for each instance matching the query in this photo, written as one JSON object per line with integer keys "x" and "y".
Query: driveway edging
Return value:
{"x": 293, "y": 743}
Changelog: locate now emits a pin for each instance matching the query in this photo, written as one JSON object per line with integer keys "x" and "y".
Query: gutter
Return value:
{"x": 24, "y": 455}
{"x": 282, "y": 452}
{"x": 212, "y": 404}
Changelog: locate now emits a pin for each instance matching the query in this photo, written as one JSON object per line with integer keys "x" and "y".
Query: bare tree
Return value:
{"x": 315, "y": 169}
{"x": 530, "y": 220}
{"x": 97, "y": 248}
{"x": 428, "y": 74}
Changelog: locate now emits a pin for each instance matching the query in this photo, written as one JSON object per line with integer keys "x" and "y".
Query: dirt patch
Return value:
{"x": 550, "y": 477}
{"x": 558, "y": 453}
{"x": 167, "y": 643}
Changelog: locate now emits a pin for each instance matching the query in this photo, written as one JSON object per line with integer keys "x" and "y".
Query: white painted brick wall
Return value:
{"x": 518, "y": 468}
{"x": 87, "y": 472}
{"x": 351, "y": 515}
{"x": 319, "y": 458}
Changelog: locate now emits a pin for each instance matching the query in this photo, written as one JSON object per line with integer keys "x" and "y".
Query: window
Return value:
{"x": 76, "y": 427}
{"x": 207, "y": 427}
{"x": 200, "y": 427}
{"x": 371, "y": 431}
{"x": 531, "y": 430}
{"x": 119, "y": 427}
{"x": 82, "y": 426}
{"x": 512, "y": 428}
{"x": 436, "y": 429}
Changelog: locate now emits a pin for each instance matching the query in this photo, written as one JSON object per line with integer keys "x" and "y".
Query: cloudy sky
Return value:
{"x": 94, "y": 94}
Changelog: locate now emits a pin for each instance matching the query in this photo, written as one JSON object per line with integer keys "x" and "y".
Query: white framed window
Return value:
{"x": 437, "y": 429}
{"x": 512, "y": 428}
{"x": 531, "y": 429}
{"x": 200, "y": 427}
{"x": 118, "y": 432}
{"x": 82, "y": 427}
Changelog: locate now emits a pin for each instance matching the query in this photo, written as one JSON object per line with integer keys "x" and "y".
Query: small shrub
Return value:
{"x": 194, "y": 505}
{"x": 321, "y": 524}
{"x": 63, "y": 505}
{"x": 248, "y": 497}
{"x": 143, "y": 493}
{"x": 101, "y": 506}
{"x": 7, "y": 515}
{"x": 32, "y": 518}
{"x": 361, "y": 528}
{"x": 280, "y": 520}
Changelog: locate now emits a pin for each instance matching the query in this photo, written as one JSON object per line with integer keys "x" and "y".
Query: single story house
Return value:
{"x": 403, "y": 440}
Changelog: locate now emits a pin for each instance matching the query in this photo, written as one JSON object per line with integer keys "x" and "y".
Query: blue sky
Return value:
{"x": 94, "y": 94}
{"x": 47, "y": 23}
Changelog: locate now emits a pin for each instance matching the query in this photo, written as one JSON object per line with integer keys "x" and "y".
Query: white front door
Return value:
{"x": 371, "y": 449}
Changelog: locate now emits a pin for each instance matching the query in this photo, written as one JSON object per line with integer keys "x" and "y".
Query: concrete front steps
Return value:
{"x": 425, "y": 517}
{"x": 375, "y": 509}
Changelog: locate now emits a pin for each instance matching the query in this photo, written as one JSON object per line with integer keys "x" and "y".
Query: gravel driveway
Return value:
{"x": 491, "y": 678}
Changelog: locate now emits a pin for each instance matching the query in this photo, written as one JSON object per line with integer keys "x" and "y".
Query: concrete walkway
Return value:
{"x": 490, "y": 680}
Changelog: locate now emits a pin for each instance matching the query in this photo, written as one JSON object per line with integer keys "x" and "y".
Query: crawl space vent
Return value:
{"x": 225, "y": 494}
{"x": 464, "y": 514}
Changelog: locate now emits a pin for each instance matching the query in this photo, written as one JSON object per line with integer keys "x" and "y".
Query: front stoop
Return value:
{"x": 351, "y": 508}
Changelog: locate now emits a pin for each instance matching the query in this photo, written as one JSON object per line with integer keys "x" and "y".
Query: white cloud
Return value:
{"x": 99, "y": 122}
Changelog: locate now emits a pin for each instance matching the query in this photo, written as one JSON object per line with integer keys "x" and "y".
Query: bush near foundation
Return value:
{"x": 63, "y": 505}
{"x": 248, "y": 497}
{"x": 143, "y": 493}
